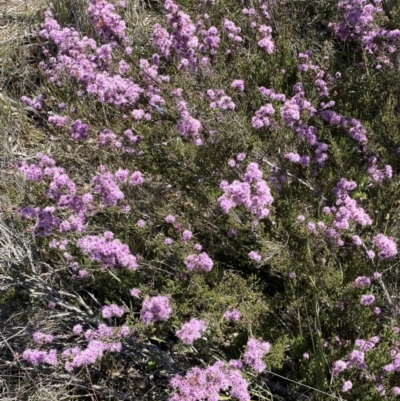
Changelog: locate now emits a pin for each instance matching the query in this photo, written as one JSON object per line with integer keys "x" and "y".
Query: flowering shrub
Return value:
{"x": 242, "y": 160}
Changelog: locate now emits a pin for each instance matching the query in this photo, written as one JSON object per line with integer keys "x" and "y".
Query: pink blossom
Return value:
{"x": 348, "y": 385}
{"x": 135, "y": 292}
{"x": 339, "y": 366}
{"x": 367, "y": 299}
{"x": 141, "y": 223}
{"x": 387, "y": 246}
{"x": 186, "y": 236}
{"x": 155, "y": 309}
{"x": 200, "y": 262}
{"x": 170, "y": 218}
{"x": 232, "y": 314}
{"x": 254, "y": 353}
{"x": 254, "y": 255}
{"x": 238, "y": 84}
{"x": 168, "y": 241}
{"x": 191, "y": 331}
{"x": 362, "y": 281}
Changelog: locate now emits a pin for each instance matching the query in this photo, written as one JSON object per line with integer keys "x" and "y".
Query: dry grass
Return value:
{"x": 27, "y": 285}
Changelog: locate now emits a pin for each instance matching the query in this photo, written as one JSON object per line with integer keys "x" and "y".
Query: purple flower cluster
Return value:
{"x": 254, "y": 353}
{"x": 347, "y": 210}
{"x": 188, "y": 126}
{"x": 394, "y": 366}
{"x": 99, "y": 341}
{"x": 77, "y": 357}
{"x": 103, "y": 333}
{"x": 135, "y": 292}
{"x": 58, "y": 121}
{"x": 211, "y": 40}
{"x": 161, "y": 40}
{"x": 149, "y": 73}
{"x": 46, "y": 223}
{"x": 262, "y": 116}
{"x": 266, "y": 42}
{"x": 232, "y": 314}
{"x": 205, "y": 384}
{"x": 367, "y": 299}
{"x": 155, "y": 309}
{"x": 136, "y": 178}
{"x": 238, "y": 84}
{"x": 280, "y": 97}
{"x": 186, "y": 236}
{"x": 254, "y": 255}
{"x": 359, "y": 24}
{"x": 223, "y": 103}
{"x": 36, "y": 357}
{"x": 387, "y": 246}
{"x": 355, "y": 129}
{"x": 32, "y": 172}
{"x": 291, "y": 113}
{"x": 80, "y": 59}
{"x": 108, "y": 311}
{"x": 362, "y": 281}
{"x": 338, "y": 367}
{"x": 182, "y": 39}
{"x": 41, "y": 338}
{"x": 296, "y": 158}
{"x": 109, "y": 25}
{"x": 108, "y": 138}
{"x": 254, "y": 193}
{"x": 170, "y": 218}
{"x": 366, "y": 345}
{"x": 356, "y": 240}
{"x": 141, "y": 223}
{"x": 61, "y": 188}
{"x": 199, "y": 262}
{"x": 36, "y": 104}
{"x": 77, "y": 329}
{"x": 123, "y": 67}
{"x": 106, "y": 251}
{"x": 191, "y": 331}
{"x": 347, "y": 385}
{"x": 323, "y": 80}
{"x": 356, "y": 358}
{"x": 106, "y": 184}
{"x": 79, "y": 130}
{"x": 232, "y": 31}
{"x": 375, "y": 173}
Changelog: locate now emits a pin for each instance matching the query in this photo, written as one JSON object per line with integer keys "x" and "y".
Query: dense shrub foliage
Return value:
{"x": 227, "y": 188}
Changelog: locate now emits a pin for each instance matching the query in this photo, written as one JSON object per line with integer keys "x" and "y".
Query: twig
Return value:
{"x": 91, "y": 383}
